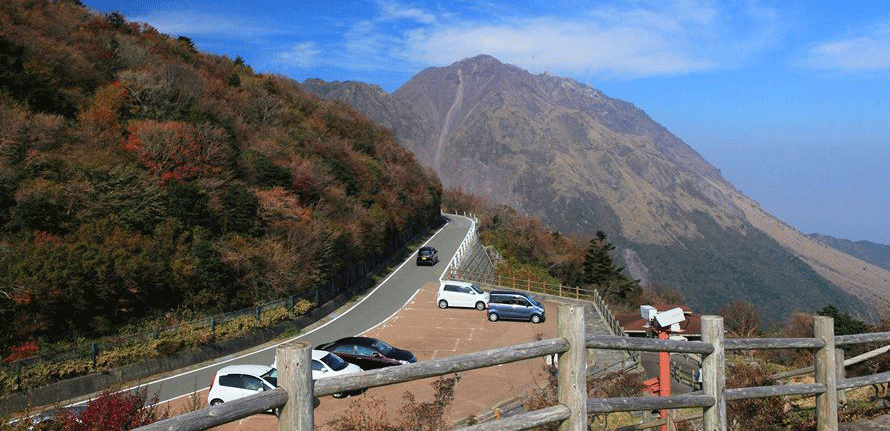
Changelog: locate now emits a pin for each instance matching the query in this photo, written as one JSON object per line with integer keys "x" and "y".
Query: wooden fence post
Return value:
{"x": 572, "y": 366}
{"x": 714, "y": 373}
{"x": 841, "y": 374}
{"x": 826, "y": 373}
{"x": 294, "y": 363}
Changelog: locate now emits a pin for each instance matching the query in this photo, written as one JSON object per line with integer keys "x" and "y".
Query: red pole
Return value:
{"x": 664, "y": 375}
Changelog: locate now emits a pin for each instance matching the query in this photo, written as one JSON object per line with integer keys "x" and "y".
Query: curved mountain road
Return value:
{"x": 374, "y": 308}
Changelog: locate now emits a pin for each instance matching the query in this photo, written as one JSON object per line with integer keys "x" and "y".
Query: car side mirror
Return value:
{"x": 378, "y": 355}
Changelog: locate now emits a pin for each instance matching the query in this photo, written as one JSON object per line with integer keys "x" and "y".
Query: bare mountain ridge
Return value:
{"x": 874, "y": 253}
{"x": 580, "y": 161}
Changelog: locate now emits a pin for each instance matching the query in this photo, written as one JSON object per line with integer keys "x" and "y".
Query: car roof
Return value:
{"x": 318, "y": 354}
{"x": 455, "y": 282}
{"x": 507, "y": 292}
{"x": 364, "y": 341}
{"x": 257, "y": 370}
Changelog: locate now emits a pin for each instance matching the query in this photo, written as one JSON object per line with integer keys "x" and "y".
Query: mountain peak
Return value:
{"x": 481, "y": 59}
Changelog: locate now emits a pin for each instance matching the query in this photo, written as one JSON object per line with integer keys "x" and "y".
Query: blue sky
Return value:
{"x": 789, "y": 99}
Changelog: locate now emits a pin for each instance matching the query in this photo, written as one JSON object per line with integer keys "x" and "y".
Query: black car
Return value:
{"x": 427, "y": 256}
{"x": 368, "y": 353}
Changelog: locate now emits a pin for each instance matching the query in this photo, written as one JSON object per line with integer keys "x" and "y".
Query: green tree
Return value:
{"x": 601, "y": 271}
{"x": 844, "y": 324}
{"x": 189, "y": 204}
{"x": 40, "y": 212}
{"x": 240, "y": 210}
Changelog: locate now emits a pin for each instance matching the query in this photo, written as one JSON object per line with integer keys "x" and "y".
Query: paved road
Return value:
{"x": 375, "y": 307}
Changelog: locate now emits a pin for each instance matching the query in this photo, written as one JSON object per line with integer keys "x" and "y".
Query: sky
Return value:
{"x": 789, "y": 99}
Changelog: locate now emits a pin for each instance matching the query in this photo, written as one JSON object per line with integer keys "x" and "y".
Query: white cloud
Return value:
{"x": 391, "y": 10}
{"x": 547, "y": 45}
{"x": 869, "y": 50}
{"x": 629, "y": 39}
{"x": 305, "y": 54}
{"x": 193, "y": 23}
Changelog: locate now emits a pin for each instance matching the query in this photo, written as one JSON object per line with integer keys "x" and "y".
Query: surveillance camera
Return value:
{"x": 670, "y": 317}
{"x": 647, "y": 312}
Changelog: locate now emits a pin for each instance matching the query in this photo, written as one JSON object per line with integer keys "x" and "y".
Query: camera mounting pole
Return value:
{"x": 663, "y": 323}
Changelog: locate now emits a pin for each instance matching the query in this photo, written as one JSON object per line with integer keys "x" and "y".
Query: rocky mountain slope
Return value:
{"x": 580, "y": 161}
{"x": 874, "y": 253}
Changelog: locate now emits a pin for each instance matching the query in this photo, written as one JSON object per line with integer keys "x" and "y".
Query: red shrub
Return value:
{"x": 23, "y": 350}
{"x": 118, "y": 411}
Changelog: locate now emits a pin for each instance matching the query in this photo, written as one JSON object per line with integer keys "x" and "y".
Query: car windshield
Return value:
{"x": 271, "y": 376}
{"x": 334, "y": 362}
{"x": 476, "y": 288}
{"x": 381, "y": 347}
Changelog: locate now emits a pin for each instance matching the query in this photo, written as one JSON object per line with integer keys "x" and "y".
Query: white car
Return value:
{"x": 238, "y": 381}
{"x": 461, "y": 294}
{"x": 327, "y": 364}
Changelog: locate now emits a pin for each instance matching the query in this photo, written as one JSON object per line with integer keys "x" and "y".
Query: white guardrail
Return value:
{"x": 467, "y": 244}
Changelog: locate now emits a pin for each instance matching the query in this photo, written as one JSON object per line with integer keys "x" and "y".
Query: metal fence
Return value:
{"x": 478, "y": 261}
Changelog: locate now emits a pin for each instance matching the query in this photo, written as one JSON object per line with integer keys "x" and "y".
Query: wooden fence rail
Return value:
{"x": 296, "y": 396}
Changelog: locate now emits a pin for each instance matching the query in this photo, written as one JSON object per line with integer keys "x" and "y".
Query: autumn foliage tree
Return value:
{"x": 178, "y": 151}
{"x": 741, "y": 320}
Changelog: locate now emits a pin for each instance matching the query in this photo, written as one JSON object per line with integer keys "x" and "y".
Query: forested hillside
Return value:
{"x": 139, "y": 177}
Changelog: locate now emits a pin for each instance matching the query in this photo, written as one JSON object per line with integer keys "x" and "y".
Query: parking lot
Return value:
{"x": 431, "y": 333}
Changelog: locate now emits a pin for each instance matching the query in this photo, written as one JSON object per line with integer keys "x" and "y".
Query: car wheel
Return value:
{"x": 339, "y": 395}
{"x": 480, "y": 305}
{"x": 277, "y": 411}
{"x": 216, "y": 402}
{"x": 493, "y": 317}
{"x": 443, "y": 304}
{"x": 535, "y": 318}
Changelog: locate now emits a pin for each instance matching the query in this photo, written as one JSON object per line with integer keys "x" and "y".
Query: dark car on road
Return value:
{"x": 368, "y": 353}
{"x": 427, "y": 256}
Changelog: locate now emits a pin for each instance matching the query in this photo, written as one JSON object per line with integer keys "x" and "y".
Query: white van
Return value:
{"x": 461, "y": 294}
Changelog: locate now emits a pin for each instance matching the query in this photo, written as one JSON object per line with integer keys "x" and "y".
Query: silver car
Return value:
{"x": 510, "y": 305}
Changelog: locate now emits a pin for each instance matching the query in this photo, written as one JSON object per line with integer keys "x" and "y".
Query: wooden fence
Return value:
{"x": 297, "y": 392}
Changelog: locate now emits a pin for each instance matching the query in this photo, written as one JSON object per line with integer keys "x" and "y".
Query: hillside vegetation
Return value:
{"x": 139, "y": 176}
